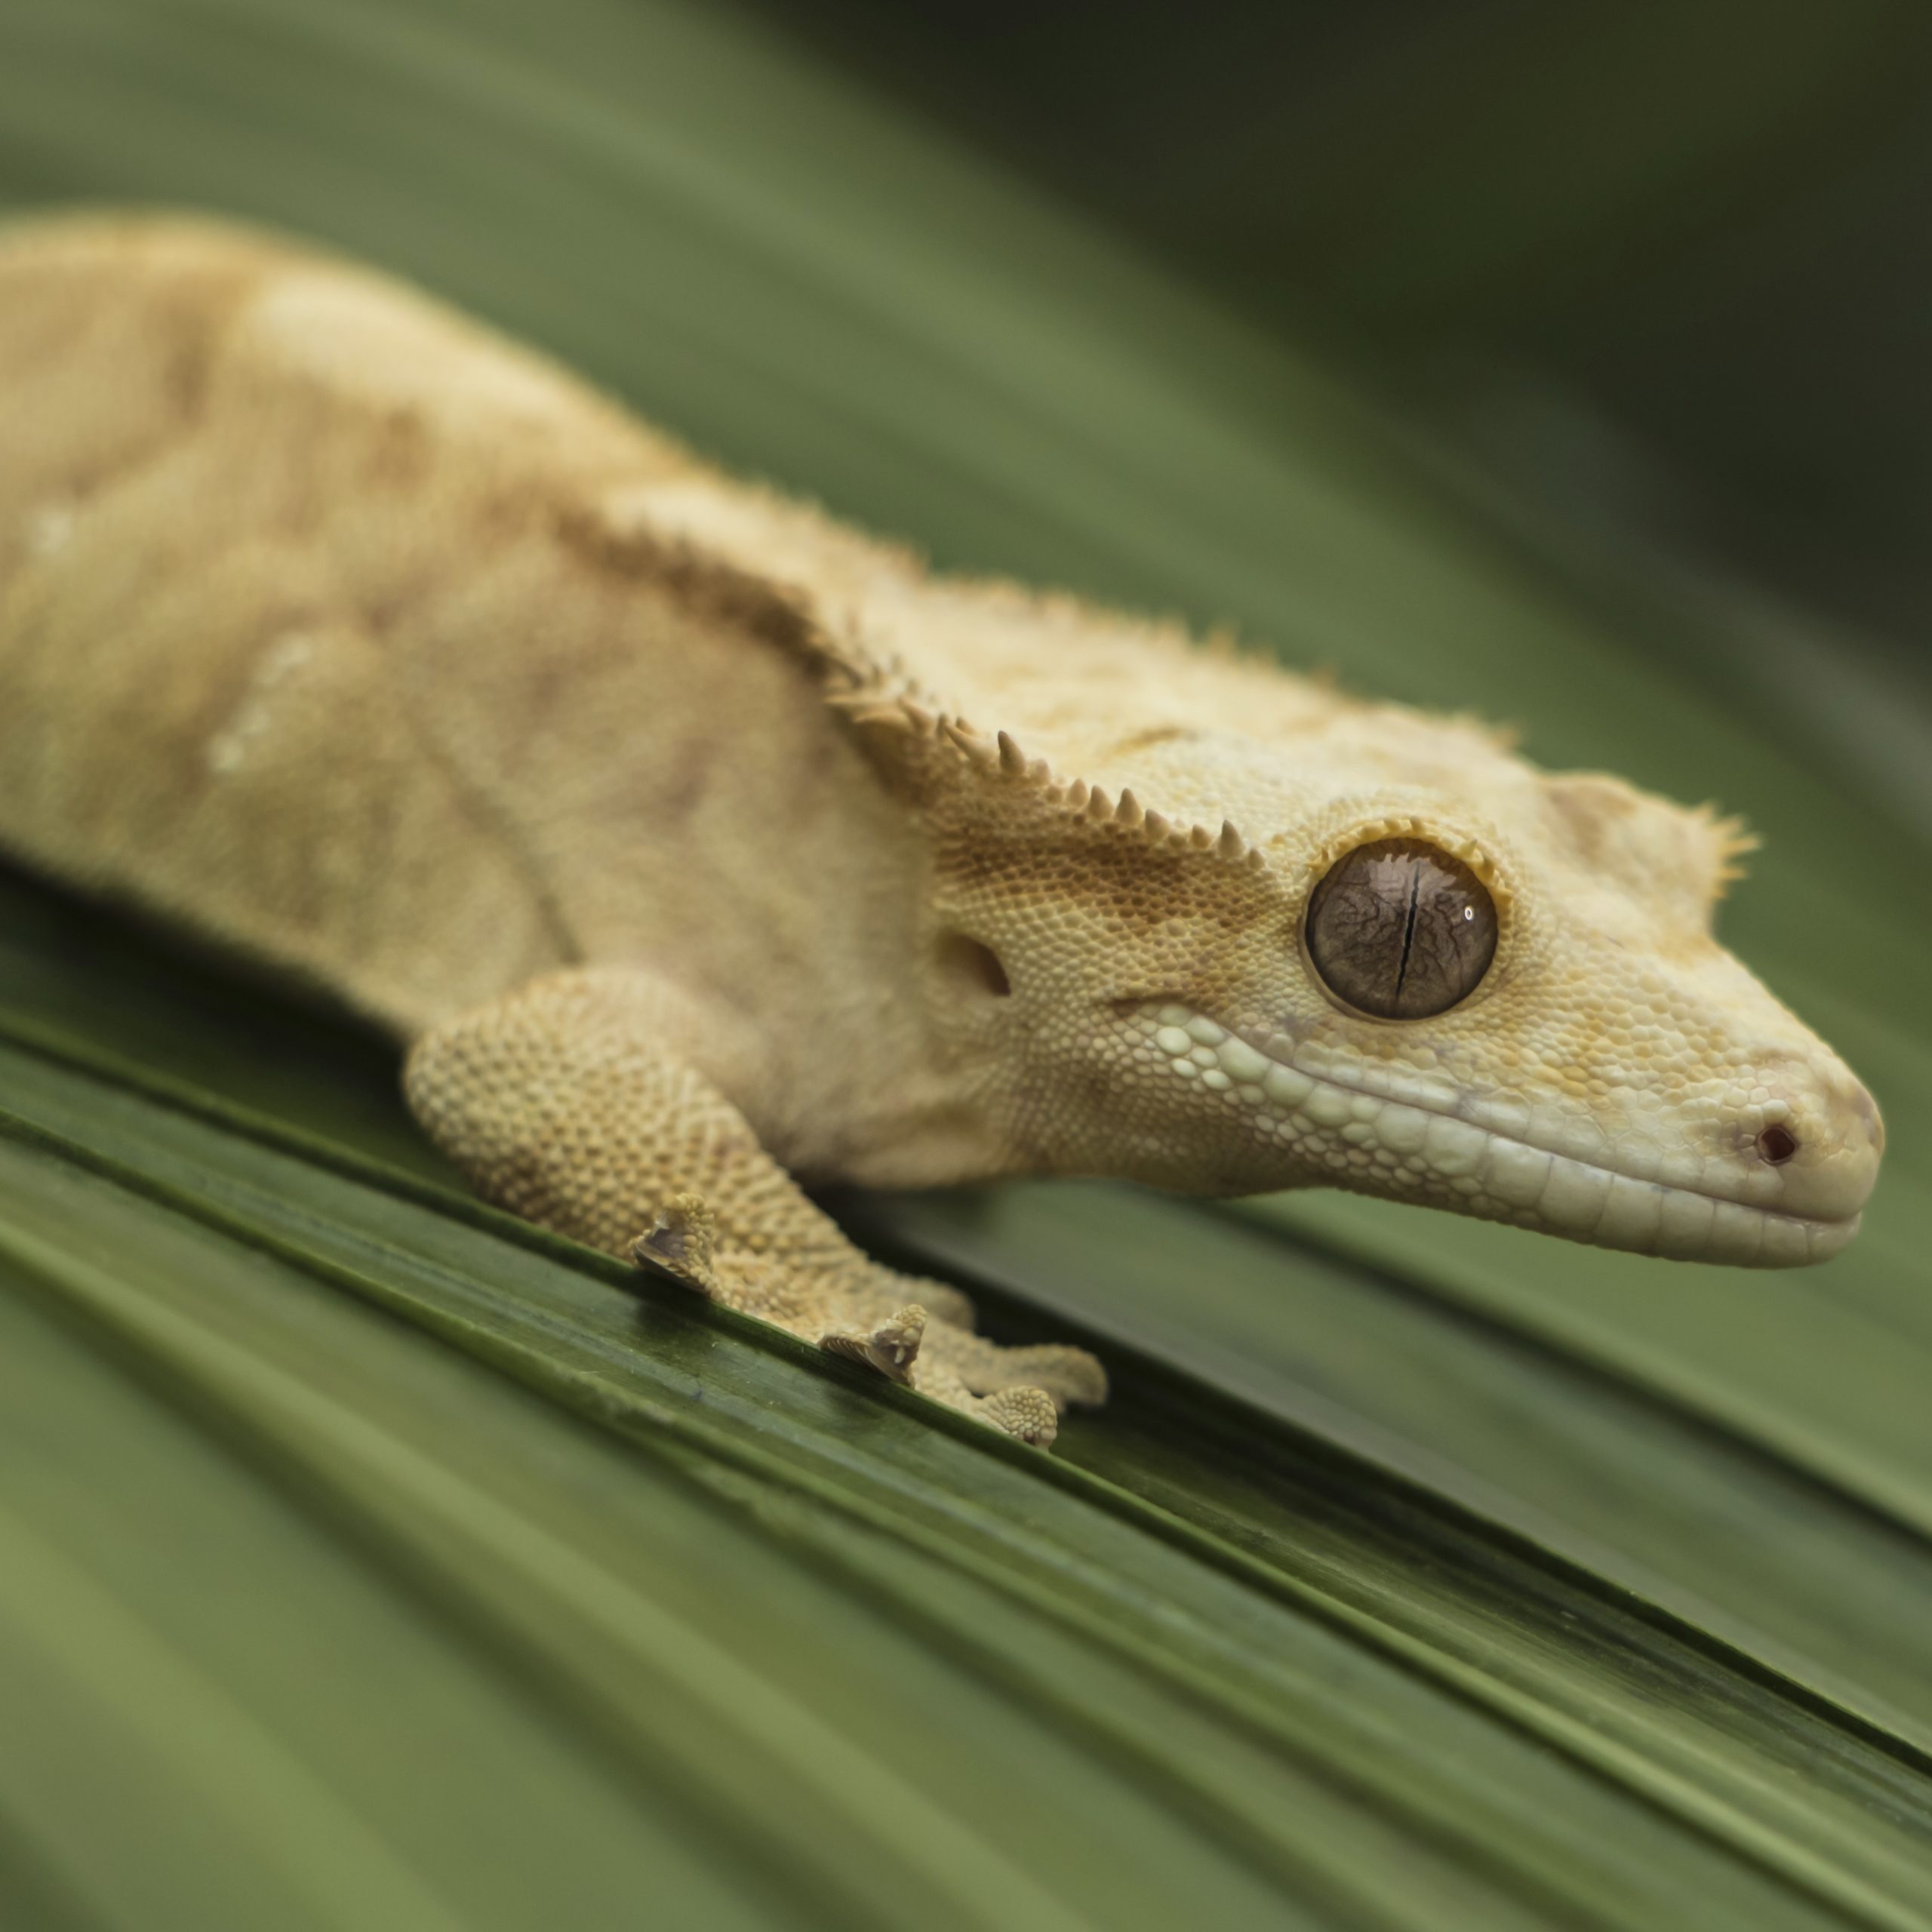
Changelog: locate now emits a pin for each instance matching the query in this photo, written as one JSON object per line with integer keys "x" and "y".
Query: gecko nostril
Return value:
{"x": 1777, "y": 1145}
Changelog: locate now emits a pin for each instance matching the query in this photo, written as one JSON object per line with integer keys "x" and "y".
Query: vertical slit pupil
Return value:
{"x": 1409, "y": 929}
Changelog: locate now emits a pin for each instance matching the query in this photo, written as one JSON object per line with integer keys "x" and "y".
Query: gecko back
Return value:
{"x": 299, "y": 645}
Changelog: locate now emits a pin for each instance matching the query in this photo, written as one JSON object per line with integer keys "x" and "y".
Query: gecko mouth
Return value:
{"x": 1415, "y": 1142}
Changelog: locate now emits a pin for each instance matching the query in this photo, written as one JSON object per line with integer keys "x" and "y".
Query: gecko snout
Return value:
{"x": 1825, "y": 1148}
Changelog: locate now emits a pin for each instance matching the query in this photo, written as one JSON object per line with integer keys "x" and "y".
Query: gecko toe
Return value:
{"x": 682, "y": 1239}
{"x": 892, "y": 1347}
{"x": 1029, "y": 1413}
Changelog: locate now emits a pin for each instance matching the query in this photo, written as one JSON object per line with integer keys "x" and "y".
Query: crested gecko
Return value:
{"x": 695, "y": 846}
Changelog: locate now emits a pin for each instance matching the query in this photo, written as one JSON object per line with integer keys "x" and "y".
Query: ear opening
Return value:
{"x": 973, "y": 967}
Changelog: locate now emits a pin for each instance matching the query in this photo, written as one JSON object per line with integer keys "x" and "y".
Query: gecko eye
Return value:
{"x": 1401, "y": 929}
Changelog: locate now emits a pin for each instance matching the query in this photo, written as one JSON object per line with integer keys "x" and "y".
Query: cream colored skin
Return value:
{"x": 678, "y": 828}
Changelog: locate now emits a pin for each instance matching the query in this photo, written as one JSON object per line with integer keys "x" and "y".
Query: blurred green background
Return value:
{"x": 1661, "y": 269}
{"x": 365, "y": 1560}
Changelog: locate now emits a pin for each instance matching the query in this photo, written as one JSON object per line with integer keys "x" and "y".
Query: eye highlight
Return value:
{"x": 1401, "y": 929}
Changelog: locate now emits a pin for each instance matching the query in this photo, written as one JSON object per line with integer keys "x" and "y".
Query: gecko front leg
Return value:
{"x": 570, "y": 1103}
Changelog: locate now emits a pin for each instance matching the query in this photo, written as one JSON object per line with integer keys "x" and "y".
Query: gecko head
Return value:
{"x": 1420, "y": 969}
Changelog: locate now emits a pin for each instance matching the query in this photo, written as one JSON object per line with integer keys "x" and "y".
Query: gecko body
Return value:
{"x": 697, "y": 846}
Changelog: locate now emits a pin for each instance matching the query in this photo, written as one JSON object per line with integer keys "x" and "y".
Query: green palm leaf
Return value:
{"x": 367, "y": 1559}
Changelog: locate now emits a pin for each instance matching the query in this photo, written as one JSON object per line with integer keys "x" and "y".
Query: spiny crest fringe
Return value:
{"x": 874, "y": 698}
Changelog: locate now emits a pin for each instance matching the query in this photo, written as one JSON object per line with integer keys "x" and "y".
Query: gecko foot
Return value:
{"x": 890, "y": 1348}
{"x": 1021, "y": 1391}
